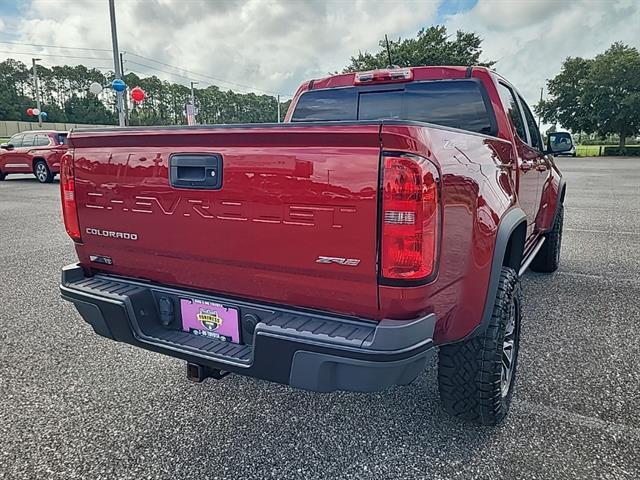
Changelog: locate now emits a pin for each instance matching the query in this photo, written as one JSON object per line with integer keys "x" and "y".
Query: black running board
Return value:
{"x": 527, "y": 261}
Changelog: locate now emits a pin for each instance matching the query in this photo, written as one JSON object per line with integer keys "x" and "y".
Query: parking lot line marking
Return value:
{"x": 585, "y": 275}
{"x": 611, "y": 232}
{"x": 578, "y": 419}
{"x": 598, "y": 277}
{"x": 620, "y": 208}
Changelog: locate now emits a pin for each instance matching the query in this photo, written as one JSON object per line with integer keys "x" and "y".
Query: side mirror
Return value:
{"x": 6, "y": 146}
{"x": 559, "y": 143}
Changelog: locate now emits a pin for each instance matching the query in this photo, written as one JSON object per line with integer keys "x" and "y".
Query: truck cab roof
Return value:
{"x": 418, "y": 73}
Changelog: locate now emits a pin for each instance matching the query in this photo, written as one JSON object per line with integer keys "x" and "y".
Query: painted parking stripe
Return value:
{"x": 559, "y": 414}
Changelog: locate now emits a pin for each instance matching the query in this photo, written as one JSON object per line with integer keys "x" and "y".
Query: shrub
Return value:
{"x": 628, "y": 151}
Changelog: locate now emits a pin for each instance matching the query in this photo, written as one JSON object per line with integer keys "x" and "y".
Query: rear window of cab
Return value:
{"x": 461, "y": 104}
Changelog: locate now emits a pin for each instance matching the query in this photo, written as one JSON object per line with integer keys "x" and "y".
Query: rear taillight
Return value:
{"x": 68, "y": 195}
{"x": 410, "y": 218}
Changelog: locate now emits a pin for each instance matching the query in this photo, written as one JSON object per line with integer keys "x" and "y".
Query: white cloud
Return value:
{"x": 275, "y": 45}
{"x": 531, "y": 39}
{"x": 272, "y": 45}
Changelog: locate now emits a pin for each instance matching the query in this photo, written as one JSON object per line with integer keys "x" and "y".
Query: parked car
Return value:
{"x": 36, "y": 151}
{"x": 558, "y": 139}
{"x": 393, "y": 212}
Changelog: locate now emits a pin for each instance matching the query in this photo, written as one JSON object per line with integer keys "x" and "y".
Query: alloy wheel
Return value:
{"x": 41, "y": 172}
{"x": 509, "y": 347}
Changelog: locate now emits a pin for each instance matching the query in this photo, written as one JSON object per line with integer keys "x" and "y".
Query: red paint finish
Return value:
{"x": 476, "y": 189}
{"x": 289, "y": 196}
{"x": 22, "y": 159}
{"x": 294, "y": 193}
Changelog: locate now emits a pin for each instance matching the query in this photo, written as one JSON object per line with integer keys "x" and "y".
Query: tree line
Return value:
{"x": 65, "y": 96}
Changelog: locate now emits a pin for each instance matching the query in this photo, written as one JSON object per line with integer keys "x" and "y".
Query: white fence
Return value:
{"x": 9, "y": 127}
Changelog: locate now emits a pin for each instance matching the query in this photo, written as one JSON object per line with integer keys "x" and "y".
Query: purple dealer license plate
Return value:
{"x": 208, "y": 319}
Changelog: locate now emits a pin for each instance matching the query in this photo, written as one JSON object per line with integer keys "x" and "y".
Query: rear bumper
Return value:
{"x": 303, "y": 349}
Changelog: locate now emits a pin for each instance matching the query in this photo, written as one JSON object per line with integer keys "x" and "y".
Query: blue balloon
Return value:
{"x": 118, "y": 85}
{"x": 43, "y": 115}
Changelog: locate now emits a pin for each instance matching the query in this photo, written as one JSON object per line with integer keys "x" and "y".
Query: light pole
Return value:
{"x": 37, "y": 89}
{"x": 124, "y": 97}
{"x": 278, "y": 108}
{"x": 116, "y": 62}
{"x": 193, "y": 101}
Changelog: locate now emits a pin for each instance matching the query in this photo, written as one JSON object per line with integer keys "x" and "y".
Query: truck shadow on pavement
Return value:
{"x": 263, "y": 427}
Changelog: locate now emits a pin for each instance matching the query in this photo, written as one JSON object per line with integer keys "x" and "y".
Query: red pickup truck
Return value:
{"x": 392, "y": 213}
{"x": 37, "y": 152}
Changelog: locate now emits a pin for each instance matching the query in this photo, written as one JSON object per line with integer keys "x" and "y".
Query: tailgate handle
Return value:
{"x": 196, "y": 170}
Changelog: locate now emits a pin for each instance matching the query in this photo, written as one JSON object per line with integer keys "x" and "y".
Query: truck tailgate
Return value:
{"x": 293, "y": 220}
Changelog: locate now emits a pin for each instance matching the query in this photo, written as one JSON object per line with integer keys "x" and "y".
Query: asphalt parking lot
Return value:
{"x": 74, "y": 405}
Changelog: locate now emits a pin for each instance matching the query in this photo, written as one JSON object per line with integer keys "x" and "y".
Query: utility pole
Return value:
{"x": 37, "y": 89}
{"x": 116, "y": 62}
{"x": 124, "y": 98}
{"x": 193, "y": 101}
{"x": 541, "y": 88}
{"x": 278, "y": 108}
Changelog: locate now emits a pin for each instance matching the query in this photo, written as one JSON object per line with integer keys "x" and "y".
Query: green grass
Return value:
{"x": 588, "y": 150}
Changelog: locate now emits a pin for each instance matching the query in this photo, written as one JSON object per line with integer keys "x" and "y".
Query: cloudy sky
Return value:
{"x": 273, "y": 45}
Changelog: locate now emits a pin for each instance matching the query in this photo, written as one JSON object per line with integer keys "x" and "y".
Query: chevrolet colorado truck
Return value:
{"x": 388, "y": 218}
{"x": 37, "y": 152}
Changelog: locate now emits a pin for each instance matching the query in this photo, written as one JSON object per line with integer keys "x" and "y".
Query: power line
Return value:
{"x": 219, "y": 80}
{"x": 158, "y": 69}
{"x": 53, "y": 55}
{"x": 269, "y": 92}
{"x": 56, "y": 46}
{"x": 142, "y": 75}
{"x": 130, "y": 53}
{"x": 97, "y": 67}
{"x": 197, "y": 73}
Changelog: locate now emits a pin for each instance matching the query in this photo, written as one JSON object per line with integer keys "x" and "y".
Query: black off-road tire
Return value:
{"x": 470, "y": 372}
{"x": 42, "y": 172}
{"x": 2, "y": 176}
{"x": 548, "y": 258}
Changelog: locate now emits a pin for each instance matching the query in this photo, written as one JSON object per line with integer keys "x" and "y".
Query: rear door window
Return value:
{"x": 62, "y": 138}
{"x": 42, "y": 140}
{"x": 28, "y": 140}
{"x": 513, "y": 110}
{"x": 534, "y": 133}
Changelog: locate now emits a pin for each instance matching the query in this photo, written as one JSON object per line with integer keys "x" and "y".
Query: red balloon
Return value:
{"x": 137, "y": 94}
{"x": 30, "y": 111}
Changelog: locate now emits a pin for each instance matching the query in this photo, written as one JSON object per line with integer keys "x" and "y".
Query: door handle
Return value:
{"x": 202, "y": 171}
